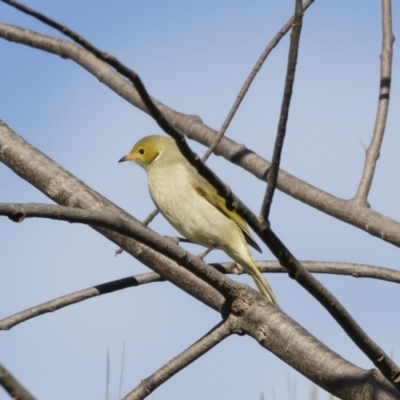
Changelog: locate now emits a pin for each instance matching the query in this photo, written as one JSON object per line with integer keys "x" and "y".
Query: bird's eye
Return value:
{"x": 141, "y": 151}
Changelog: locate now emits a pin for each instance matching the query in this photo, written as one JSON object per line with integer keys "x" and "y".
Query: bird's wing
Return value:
{"x": 219, "y": 202}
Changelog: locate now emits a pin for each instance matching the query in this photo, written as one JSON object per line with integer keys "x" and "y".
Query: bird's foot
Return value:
{"x": 235, "y": 269}
{"x": 204, "y": 253}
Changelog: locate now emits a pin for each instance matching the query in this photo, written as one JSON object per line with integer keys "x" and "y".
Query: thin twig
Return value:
{"x": 121, "y": 379}
{"x": 377, "y": 356}
{"x": 181, "y": 361}
{"x": 132, "y": 229}
{"x": 336, "y": 268}
{"x": 317, "y": 267}
{"x": 108, "y": 374}
{"x": 373, "y": 151}
{"x": 284, "y": 114}
{"x": 150, "y": 217}
{"x": 76, "y": 297}
{"x": 242, "y": 93}
{"x": 363, "y": 218}
{"x": 11, "y": 385}
{"x": 146, "y": 222}
{"x": 232, "y": 201}
{"x": 39, "y": 170}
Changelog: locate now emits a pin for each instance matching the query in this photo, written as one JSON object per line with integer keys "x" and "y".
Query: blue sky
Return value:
{"x": 194, "y": 57}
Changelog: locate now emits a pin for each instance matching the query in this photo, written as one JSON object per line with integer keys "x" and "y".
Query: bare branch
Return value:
{"x": 150, "y": 105}
{"x": 334, "y": 268}
{"x": 63, "y": 188}
{"x": 319, "y": 267}
{"x": 285, "y": 257}
{"x": 370, "y": 221}
{"x": 284, "y": 114}
{"x": 76, "y": 297}
{"x": 246, "y": 86}
{"x": 296, "y": 271}
{"x": 132, "y": 229}
{"x": 304, "y": 278}
{"x": 181, "y": 361}
{"x": 345, "y": 381}
{"x": 11, "y": 385}
{"x": 150, "y": 217}
{"x": 373, "y": 151}
{"x": 11, "y": 147}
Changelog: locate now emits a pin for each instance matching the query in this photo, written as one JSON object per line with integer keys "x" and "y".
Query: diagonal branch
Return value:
{"x": 284, "y": 115}
{"x": 63, "y": 188}
{"x": 150, "y": 105}
{"x": 11, "y": 385}
{"x": 76, "y": 297}
{"x": 318, "y": 267}
{"x": 17, "y": 212}
{"x": 373, "y": 151}
{"x": 296, "y": 271}
{"x": 340, "y": 314}
{"x": 361, "y": 217}
{"x": 131, "y": 229}
{"x": 246, "y": 86}
{"x": 181, "y": 361}
{"x": 389, "y": 369}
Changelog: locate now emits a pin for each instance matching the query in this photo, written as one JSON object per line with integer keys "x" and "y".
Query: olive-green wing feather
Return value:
{"x": 219, "y": 202}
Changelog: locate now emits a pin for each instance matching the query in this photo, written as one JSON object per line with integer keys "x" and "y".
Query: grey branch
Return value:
{"x": 361, "y": 217}
{"x": 181, "y": 361}
{"x": 284, "y": 113}
{"x": 276, "y": 246}
{"x": 76, "y": 297}
{"x": 62, "y": 187}
{"x": 319, "y": 267}
{"x": 373, "y": 151}
{"x": 131, "y": 229}
{"x": 296, "y": 270}
{"x": 246, "y": 86}
{"x": 11, "y": 385}
{"x": 65, "y": 189}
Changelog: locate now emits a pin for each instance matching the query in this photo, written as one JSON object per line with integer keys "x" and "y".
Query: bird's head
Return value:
{"x": 146, "y": 150}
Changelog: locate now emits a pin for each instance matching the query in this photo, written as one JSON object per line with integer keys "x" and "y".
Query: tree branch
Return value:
{"x": 284, "y": 114}
{"x": 318, "y": 267}
{"x": 286, "y": 259}
{"x": 17, "y": 212}
{"x": 63, "y": 188}
{"x": 76, "y": 297}
{"x": 150, "y": 105}
{"x": 365, "y": 219}
{"x": 337, "y": 268}
{"x": 246, "y": 86}
{"x": 373, "y": 151}
{"x": 131, "y": 229}
{"x": 11, "y": 385}
{"x": 181, "y": 361}
{"x": 345, "y": 381}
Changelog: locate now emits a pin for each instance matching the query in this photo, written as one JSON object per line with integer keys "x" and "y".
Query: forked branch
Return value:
{"x": 182, "y": 360}
{"x": 373, "y": 151}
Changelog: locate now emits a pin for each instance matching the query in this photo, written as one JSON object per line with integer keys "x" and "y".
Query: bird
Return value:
{"x": 193, "y": 206}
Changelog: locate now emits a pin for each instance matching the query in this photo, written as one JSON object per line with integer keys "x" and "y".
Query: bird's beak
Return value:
{"x": 128, "y": 157}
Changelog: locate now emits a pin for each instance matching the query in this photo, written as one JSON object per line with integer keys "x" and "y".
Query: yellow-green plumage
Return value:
{"x": 192, "y": 206}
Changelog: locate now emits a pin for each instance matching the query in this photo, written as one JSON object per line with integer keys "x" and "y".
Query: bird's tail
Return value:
{"x": 261, "y": 283}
